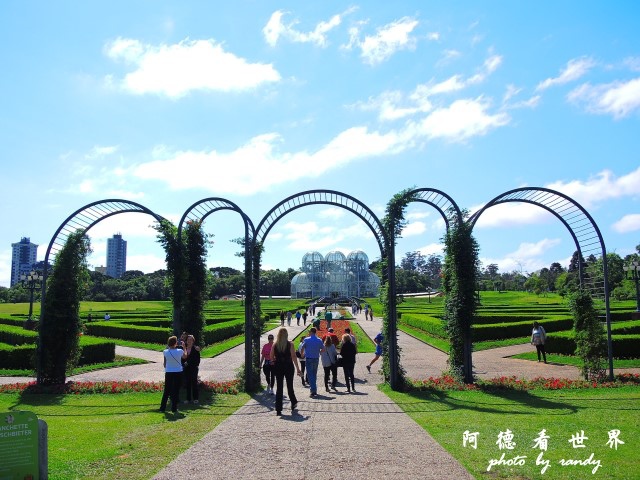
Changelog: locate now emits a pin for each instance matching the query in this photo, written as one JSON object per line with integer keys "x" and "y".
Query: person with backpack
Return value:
{"x": 538, "y": 338}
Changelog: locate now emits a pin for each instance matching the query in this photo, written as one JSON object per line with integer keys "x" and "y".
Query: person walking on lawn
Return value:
{"x": 311, "y": 350}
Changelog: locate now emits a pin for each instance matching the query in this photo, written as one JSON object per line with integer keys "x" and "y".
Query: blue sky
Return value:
{"x": 166, "y": 103}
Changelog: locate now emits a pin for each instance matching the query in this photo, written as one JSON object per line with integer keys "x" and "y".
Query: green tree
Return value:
{"x": 195, "y": 279}
{"x": 58, "y": 340}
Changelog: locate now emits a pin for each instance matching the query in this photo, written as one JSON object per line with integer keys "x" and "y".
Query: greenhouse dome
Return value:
{"x": 335, "y": 275}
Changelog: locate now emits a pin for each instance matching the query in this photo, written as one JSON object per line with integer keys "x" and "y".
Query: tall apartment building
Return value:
{"x": 23, "y": 257}
{"x": 116, "y": 256}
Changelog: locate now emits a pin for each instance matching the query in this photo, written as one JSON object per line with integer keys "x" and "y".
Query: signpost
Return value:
{"x": 19, "y": 446}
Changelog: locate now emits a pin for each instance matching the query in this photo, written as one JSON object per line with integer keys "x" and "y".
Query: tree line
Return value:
{"x": 415, "y": 273}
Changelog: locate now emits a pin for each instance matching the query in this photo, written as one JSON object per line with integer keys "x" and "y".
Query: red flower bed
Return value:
{"x": 337, "y": 325}
{"x": 229, "y": 387}
{"x": 447, "y": 382}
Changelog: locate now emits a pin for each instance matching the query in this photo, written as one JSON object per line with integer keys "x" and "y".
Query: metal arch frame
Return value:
{"x": 282, "y": 209}
{"x": 444, "y": 203}
{"x": 83, "y": 219}
{"x": 385, "y": 243}
{"x": 200, "y": 210}
{"x": 571, "y": 214}
{"x": 438, "y": 200}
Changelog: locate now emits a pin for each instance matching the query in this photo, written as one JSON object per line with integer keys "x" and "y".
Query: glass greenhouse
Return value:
{"x": 335, "y": 274}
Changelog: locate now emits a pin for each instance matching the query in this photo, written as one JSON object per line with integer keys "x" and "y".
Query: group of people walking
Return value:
{"x": 181, "y": 365}
{"x": 281, "y": 361}
{"x": 288, "y": 316}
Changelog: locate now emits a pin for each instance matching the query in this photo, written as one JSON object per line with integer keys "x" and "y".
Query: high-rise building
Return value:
{"x": 23, "y": 257}
{"x": 116, "y": 256}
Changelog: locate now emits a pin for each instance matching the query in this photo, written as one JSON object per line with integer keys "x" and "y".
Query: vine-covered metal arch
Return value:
{"x": 355, "y": 206}
{"x": 449, "y": 211}
{"x": 199, "y": 211}
{"x": 83, "y": 219}
{"x": 583, "y": 230}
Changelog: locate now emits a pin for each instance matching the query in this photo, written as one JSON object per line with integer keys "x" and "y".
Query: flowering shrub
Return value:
{"x": 447, "y": 383}
{"x": 228, "y": 387}
{"x": 337, "y": 325}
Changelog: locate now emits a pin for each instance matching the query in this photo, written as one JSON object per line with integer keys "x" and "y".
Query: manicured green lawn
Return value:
{"x": 561, "y": 413}
{"x": 118, "y": 362}
{"x": 119, "y": 436}
{"x": 571, "y": 360}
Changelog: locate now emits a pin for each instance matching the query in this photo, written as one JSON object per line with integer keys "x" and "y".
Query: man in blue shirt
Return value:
{"x": 311, "y": 351}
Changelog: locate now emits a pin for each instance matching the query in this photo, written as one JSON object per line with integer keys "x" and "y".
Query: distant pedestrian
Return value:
{"x": 329, "y": 359}
{"x": 283, "y": 358}
{"x": 371, "y": 314}
{"x": 298, "y": 315}
{"x": 289, "y": 318}
{"x": 107, "y": 316}
{"x": 311, "y": 350}
{"x": 348, "y": 354}
{"x": 172, "y": 374}
{"x": 330, "y": 334}
{"x": 378, "y": 341}
{"x": 89, "y": 318}
{"x": 328, "y": 316}
{"x": 304, "y": 318}
{"x": 538, "y": 338}
{"x": 267, "y": 368}
{"x": 366, "y": 313}
{"x": 191, "y": 367}
{"x": 316, "y": 323}
{"x": 282, "y": 318}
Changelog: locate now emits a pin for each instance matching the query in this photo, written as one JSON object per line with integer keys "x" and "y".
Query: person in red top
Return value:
{"x": 267, "y": 367}
{"x": 334, "y": 338}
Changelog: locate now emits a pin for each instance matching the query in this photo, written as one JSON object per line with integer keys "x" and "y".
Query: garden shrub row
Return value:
{"x": 16, "y": 322}
{"x": 128, "y": 332}
{"x": 17, "y": 335}
{"x": 429, "y": 324}
{"x": 624, "y": 346}
{"x": 626, "y": 328}
{"x": 501, "y": 331}
{"x": 92, "y": 350}
{"x": 222, "y": 331}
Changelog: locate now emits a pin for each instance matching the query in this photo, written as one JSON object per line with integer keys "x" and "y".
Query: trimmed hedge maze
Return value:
{"x": 144, "y": 322}
{"x": 497, "y": 320}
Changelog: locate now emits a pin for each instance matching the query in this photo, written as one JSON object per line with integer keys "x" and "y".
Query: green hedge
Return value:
{"x": 16, "y": 322}
{"x": 17, "y": 335}
{"x": 222, "y": 331}
{"x": 93, "y": 350}
{"x": 483, "y": 319}
{"x": 624, "y": 346}
{"x": 432, "y": 325}
{"x": 500, "y": 331}
{"x": 20, "y": 357}
{"x": 626, "y": 328}
{"x": 128, "y": 332}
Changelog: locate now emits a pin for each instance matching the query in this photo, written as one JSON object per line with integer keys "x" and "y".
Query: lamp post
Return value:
{"x": 632, "y": 272}
{"x": 31, "y": 282}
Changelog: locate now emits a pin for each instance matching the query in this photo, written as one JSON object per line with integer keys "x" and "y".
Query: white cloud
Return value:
{"x": 528, "y": 257}
{"x": 434, "y": 36}
{"x": 276, "y": 29}
{"x": 633, "y": 63}
{"x": 432, "y": 249}
{"x": 5, "y": 268}
{"x": 618, "y": 98}
{"x": 131, "y": 225}
{"x": 414, "y": 228}
{"x": 628, "y": 223}
{"x": 511, "y": 214}
{"x": 392, "y": 105}
{"x": 177, "y": 69}
{"x": 388, "y": 40}
{"x": 332, "y": 212}
{"x": 99, "y": 152}
{"x": 260, "y": 165}
{"x": 603, "y": 186}
{"x": 461, "y": 120}
{"x": 575, "y": 69}
{"x": 417, "y": 215}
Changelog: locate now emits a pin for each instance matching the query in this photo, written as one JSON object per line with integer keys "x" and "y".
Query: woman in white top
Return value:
{"x": 172, "y": 374}
{"x": 538, "y": 338}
